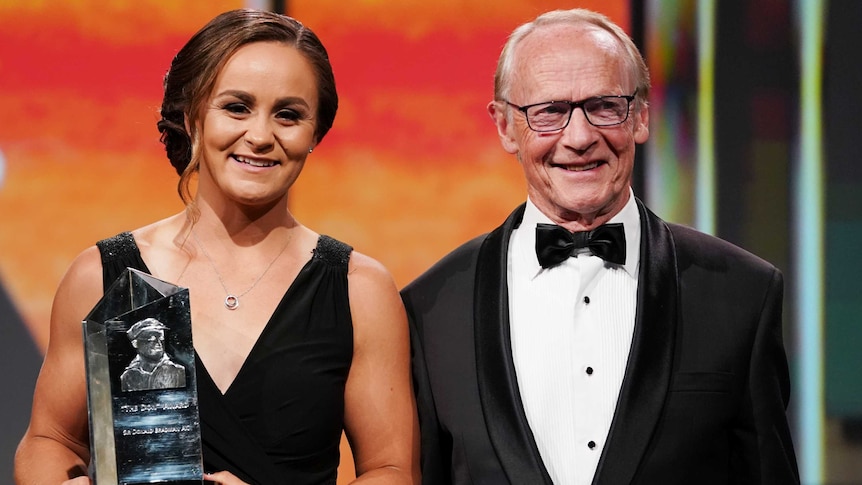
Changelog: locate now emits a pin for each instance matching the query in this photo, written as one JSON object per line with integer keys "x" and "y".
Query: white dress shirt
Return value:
{"x": 571, "y": 331}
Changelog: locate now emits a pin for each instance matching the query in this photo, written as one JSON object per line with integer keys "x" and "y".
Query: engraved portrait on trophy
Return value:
{"x": 152, "y": 367}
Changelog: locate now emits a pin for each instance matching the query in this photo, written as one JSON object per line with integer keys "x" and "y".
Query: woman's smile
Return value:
{"x": 255, "y": 162}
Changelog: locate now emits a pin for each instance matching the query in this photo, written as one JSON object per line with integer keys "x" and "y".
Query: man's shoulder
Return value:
{"x": 134, "y": 369}
{"x": 694, "y": 246}
{"x": 440, "y": 300}
{"x": 460, "y": 262}
{"x": 459, "y": 266}
{"x": 133, "y": 378}
{"x": 169, "y": 364}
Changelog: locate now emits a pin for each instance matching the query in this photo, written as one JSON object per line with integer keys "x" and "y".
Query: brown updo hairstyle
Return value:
{"x": 193, "y": 72}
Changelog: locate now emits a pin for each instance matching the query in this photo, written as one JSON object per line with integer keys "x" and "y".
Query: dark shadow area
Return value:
{"x": 20, "y": 359}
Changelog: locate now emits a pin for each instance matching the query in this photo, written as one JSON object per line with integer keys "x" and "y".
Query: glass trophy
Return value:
{"x": 141, "y": 387}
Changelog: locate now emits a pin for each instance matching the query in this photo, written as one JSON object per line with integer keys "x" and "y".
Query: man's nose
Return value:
{"x": 579, "y": 133}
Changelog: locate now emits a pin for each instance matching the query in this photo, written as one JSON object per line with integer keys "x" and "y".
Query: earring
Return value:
{"x": 310, "y": 150}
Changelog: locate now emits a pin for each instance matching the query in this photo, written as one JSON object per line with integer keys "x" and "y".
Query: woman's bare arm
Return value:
{"x": 55, "y": 446}
{"x": 380, "y": 410}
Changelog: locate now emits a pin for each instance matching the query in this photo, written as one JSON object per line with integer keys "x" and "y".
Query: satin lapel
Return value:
{"x": 648, "y": 372}
{"x": 507, "y": 424}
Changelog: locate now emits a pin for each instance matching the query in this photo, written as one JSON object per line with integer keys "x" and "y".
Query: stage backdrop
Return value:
{"x": 412, "y": 167}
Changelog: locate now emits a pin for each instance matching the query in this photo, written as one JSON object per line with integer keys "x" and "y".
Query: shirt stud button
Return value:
{"x": 587, "y": 300}
{"x": 591, "y": 445}
{"x": 589, "y": 371}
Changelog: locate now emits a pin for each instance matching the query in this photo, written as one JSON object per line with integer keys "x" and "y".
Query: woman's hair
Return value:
{"x": 632, "y": 57}
{"x": 191, "y": 78}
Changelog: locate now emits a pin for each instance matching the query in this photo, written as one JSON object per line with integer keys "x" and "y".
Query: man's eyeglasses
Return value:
{"x": 600, "y": 111}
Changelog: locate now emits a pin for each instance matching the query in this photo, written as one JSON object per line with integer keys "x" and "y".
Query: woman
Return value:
{"x": 297, "y": 336}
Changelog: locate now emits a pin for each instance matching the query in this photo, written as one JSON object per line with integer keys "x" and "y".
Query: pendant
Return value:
{"x": 231, "y": 302}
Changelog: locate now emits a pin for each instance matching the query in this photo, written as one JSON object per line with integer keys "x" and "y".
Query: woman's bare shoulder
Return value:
{"x": 162, "y": 234}
{"x": 374, "y": 299}
{"x": 84, "y": 275}
{"x": 369, "y": 272}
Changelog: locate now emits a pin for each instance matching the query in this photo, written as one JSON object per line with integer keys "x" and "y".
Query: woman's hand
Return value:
{"x": 223, "y": 478}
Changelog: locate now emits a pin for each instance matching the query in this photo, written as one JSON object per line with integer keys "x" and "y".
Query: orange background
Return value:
{"x": 411, "y": 169}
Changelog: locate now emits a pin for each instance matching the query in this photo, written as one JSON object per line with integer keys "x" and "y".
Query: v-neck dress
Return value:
{"x": 281, "y": 419}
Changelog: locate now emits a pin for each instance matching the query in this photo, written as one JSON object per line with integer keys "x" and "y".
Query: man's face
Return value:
{"x": 578, "y": 176}
{"x": 151, "y": 344}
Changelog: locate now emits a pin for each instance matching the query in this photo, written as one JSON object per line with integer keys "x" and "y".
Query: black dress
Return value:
{"x": 281, "y": 419}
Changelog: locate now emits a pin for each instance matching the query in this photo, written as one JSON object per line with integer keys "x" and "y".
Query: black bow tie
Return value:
{"x": 554, "y": 244}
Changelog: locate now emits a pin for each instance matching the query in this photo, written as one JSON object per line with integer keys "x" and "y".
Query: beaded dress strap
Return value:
{"x": 332, "y": 251}
{"x": 118, "y": 253}
{"x": 120, "y": 246}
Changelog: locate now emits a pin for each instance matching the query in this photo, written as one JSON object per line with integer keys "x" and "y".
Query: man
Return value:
{"x": 537, "y": 361}
{"x": 152, "y": 368}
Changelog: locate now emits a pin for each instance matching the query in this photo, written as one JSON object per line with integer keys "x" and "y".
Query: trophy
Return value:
{"x": 141, "y": 387}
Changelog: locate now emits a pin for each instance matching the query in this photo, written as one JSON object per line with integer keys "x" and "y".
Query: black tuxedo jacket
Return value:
{"x": 706, "y": 386}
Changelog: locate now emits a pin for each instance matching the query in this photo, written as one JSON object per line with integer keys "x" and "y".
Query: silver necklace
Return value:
{"x": 231, "y": 301}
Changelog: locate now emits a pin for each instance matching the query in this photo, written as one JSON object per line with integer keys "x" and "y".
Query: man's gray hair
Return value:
{"x": 634, "y": 60}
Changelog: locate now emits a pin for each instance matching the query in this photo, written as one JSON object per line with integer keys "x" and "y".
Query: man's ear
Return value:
{"x": 641, "y": 125}
{"x": 500, "y": 116}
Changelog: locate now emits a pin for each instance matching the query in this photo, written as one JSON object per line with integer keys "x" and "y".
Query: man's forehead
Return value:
{"x": 150, "y": 333}
{"x": 589, "y": 72}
